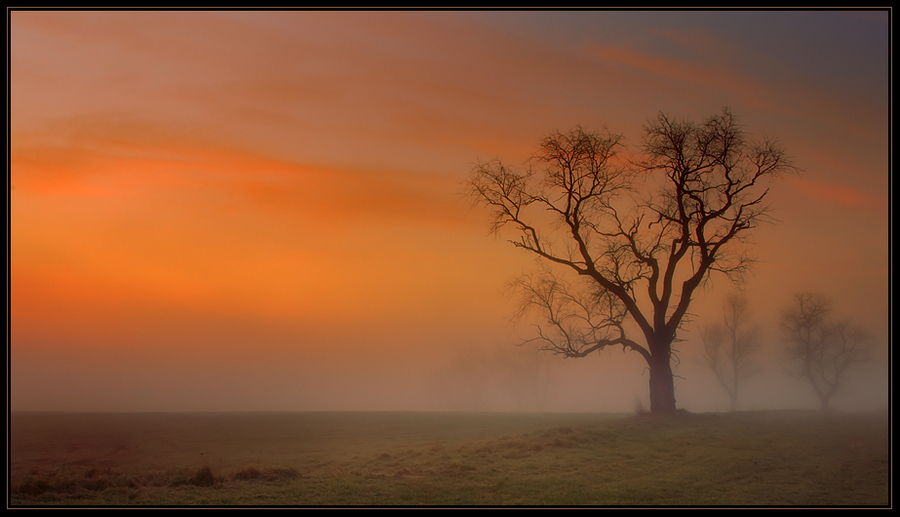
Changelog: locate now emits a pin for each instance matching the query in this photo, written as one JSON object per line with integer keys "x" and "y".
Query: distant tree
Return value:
{"x": 822, "y": 348}
{"x": 729, "y": 346}
{"x": 640, "y": 235}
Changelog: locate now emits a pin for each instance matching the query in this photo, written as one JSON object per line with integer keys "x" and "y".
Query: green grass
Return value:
{"x": 414, "y": 459}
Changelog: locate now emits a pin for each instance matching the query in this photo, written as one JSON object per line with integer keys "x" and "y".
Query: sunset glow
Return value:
{"x": 259, "y": 210}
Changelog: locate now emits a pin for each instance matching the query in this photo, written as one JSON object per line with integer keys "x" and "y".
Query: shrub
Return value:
{"x": 203, "y": 477}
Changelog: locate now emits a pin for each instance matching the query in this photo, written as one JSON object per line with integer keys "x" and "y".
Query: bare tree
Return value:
{"x": 822, "y": 348}
{"x": 641, "y": 235}
{"x": 728, "y": 346}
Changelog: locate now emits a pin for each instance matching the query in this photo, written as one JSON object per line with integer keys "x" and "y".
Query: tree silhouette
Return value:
{"x": 728, "y": 347}
{"x": 823, "y": 349}
{"x": 640, "y": 234}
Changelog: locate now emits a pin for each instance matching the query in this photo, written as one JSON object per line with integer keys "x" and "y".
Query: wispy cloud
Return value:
{"x": 835, "y": 193}
{"x": 683, "y": 73}
{"x": 116, "y": 156}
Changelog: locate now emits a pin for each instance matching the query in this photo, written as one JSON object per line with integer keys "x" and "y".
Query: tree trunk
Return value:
{"x": 662, "y": 384}
{"x": 826, "y": 400}
{"x": 734, "y": 392}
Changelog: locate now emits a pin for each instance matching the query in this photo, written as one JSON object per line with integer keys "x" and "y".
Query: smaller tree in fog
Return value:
{"x": 728, "y": 346}
{"x": 822, "y": 348}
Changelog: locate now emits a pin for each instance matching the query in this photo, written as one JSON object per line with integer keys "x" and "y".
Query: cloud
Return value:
{"x": 686, "y": 74}
{"x": 126, "y": 157}
{"x": 834, "y": 193}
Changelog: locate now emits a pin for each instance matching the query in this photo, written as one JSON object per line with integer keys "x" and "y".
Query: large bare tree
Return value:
{"x": 729, "y": 345}
{"x": 640, "y": 234}
{"x": 822, "y": 348}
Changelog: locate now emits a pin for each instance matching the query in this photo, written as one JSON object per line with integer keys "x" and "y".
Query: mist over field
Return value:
{"x": 497, "y": 376}
{"x": 265, "y": 211}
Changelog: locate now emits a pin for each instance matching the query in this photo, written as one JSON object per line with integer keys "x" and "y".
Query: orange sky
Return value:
{"x": 261, "y": 210}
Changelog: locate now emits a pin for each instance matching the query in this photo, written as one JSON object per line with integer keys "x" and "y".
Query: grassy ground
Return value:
{"x": 351, "y": 459}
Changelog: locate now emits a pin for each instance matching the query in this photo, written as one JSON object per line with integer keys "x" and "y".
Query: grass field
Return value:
{"x": 459, "y": 459}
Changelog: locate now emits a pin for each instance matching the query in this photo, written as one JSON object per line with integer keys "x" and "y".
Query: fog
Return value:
{"x": 490, "y": 372}
{"x": 487, "y": 379}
